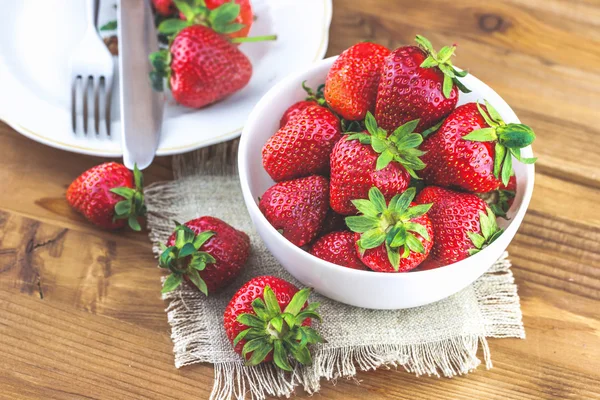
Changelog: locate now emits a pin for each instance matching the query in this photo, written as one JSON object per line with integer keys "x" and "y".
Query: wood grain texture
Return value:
{"x": 80, "y": 314}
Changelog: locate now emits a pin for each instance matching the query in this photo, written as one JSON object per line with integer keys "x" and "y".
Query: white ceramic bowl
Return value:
{"x": 368, "y": 289}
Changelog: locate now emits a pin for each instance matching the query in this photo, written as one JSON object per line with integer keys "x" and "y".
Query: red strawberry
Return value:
{"x": 394, "y": 237}
{"x": 303, "y": 146}
{"x": 201, "y": 67}
{"x": 417, "y": 83}
{"x": 260, "y": 331}
{"x": 233, "y": 18}
{"x": 352, "y": 81}
{"x": 206, "y": 252}
{"x": 462, "y": 225}
{"x": 109, "y": 195}
{"x": 473, "y": 149}
{"x": 243, "y": 21}
{"x": 297, "y": 208}
{"x": 294, "y": 110}
{"x": 338, "y": 248}
{"x": 364, "y": 160}
{"x": 311, "y": 99}
{"x": 166, "y": 8}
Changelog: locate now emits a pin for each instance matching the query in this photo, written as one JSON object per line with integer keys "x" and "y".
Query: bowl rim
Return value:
{"x": 253, "y": 209}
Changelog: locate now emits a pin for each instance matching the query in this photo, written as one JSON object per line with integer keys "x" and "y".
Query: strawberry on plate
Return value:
{"x": 352, "y": 81}
{"x": 232, "y": 18}
{"x": 473, "y": 149}
{"x": 269, "y": 319}
{"x": 166, "y": 8}
{"x": 417, "y": 83}
{"x": 462, "y": 225}
{"x": 297, "y": 208}
{"x": 201, "y": 67}
{"x": 302, "y": 146}
{"x": 392, "y": 237}
{"x": 366, "y": 159}
{"x": 338, "y": 248}
{"x": 205, "y": 251}
{"x": 109, "y": 196}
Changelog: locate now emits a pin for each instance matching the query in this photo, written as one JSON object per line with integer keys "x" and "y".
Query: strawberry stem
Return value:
{"x": 184, "y": 258}
{"x": 253, "y": 39}
{"x": 281, "y": 332}
{"x": 390, "y": 224}
{"x": 442, "y": 60}
{"x": 133, "y": 205}
{"x": 509, "y": 139}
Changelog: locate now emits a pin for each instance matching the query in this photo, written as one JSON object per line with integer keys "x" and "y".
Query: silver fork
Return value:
{"x": 92, "y": 68}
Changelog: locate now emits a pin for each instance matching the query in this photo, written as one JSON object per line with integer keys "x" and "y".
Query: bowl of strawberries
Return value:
{"x": 395, "y": 182}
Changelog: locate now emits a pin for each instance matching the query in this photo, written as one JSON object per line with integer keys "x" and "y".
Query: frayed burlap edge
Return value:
{"x": 497, "y": 299}
{"x": 496, "y": 294}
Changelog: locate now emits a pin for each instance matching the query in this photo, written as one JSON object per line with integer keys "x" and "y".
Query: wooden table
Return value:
{"x": 80, "y": 311}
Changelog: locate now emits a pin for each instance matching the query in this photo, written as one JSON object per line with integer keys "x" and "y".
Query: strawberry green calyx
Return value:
{"x": 221, "y": 20}
{"x": 109, "y": 26}
{"x": 509, "y": 140}
{"x": 390, "y": 224}
{"x": 195, "y": 12}
{"x": 442, "y": 60}
{"x": 184, "y": 259}
{"x": 133, "y": 206}
{"x": 401, "y": 146}
{"x": 161, "y": 64}
{"x": 489, "y": 232}
{"x": 282, "y": 333}
{"x": 318, "y": 96}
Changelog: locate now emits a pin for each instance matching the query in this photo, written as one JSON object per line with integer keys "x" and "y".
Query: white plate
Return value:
{"x": 38, "y": 36}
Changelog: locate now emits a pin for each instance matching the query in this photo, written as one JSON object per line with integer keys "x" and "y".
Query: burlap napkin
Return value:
{"x": 438, "y": 339}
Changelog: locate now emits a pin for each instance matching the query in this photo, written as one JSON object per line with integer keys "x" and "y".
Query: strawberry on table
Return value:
{"x": 297, "y": 208}
{"x": 205, "y": 251}
{"x": 269, "y": 319}
{"x": 352, "y": 81}
{"x": 473, "y": 149}
{"x": 302, "y": 146}
{"x": 366, "y": 159}
{"x": 392, "y": 237}
{"x": 462, "y": 224}
{"x": 417, "y": 83}
{"x": 109, "y": 196}
{"x": 338, "y": 248}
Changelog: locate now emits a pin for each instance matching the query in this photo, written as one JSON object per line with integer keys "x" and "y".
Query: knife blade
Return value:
{"x": 141, "y": 107}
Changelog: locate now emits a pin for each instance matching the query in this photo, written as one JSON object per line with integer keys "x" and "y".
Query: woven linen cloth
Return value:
{"x": 439, "y": 339}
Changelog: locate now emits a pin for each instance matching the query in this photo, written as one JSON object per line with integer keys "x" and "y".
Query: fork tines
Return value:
{"x": 82, "y": 89}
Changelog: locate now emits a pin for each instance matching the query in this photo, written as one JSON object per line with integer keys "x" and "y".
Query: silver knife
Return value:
{"x": 141, "y": 107}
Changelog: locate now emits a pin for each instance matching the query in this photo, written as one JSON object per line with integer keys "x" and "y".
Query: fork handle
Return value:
{"x": 92, "y": 12}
